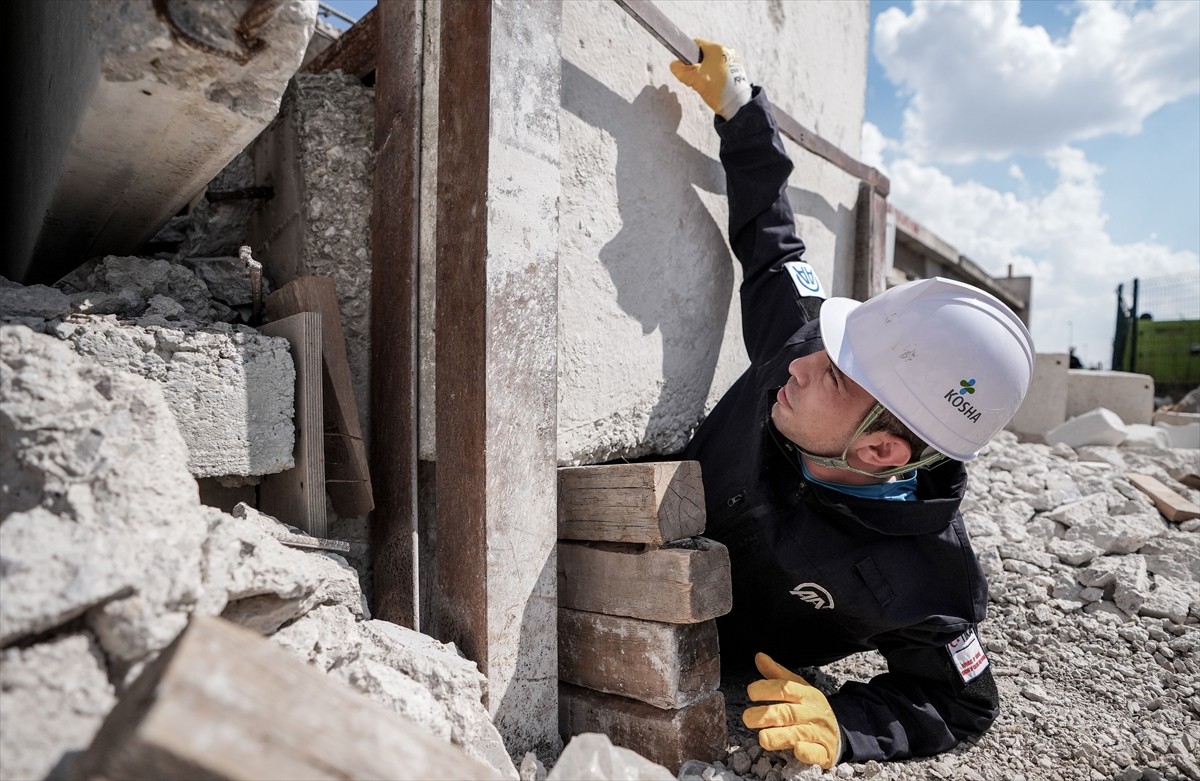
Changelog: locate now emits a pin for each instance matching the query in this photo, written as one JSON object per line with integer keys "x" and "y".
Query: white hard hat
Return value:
{"x": 949, "y": 360}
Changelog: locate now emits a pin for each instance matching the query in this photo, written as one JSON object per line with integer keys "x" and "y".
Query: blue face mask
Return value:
{"x": 902, "y": 489}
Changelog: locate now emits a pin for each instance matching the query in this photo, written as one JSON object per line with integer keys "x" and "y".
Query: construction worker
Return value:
{"x": 834, "y": 470}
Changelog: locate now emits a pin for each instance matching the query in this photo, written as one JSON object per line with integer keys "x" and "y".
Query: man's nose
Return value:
{"x": 796, "y": 370}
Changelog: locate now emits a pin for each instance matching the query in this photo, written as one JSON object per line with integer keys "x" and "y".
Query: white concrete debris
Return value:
{"x": 592, "y": 757}
{"x": 230, "y": 387}
{"x": 61, "y": 683}
{"x": 1093, "y": 628}
{"x": 107, "y": 553}
{"x": 1099, "y": 426}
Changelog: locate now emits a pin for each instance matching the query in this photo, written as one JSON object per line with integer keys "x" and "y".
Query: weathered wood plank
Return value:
{"x": 675, "y": 585}
{"x": 222, "y": 702}
{"x": 1173, "y": 505}
{"x": 346, "y": 470}
{"x": 649, "y": 503}
{"x": 668, "y": 737}
{"x": 665, "y": 665}
{"x": 297, "y": 496}
{"x": 354, "y": 51}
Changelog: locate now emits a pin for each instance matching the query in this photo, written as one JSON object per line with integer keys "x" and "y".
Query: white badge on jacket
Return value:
{"x": 805, "y": 278}
{"x": 968, "y": 655}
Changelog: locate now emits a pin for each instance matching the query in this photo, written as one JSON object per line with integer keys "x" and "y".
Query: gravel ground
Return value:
{"x": 1093, "y": 629}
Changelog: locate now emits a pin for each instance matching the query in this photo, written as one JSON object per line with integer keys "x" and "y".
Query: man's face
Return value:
{"x": 819, "y": 408}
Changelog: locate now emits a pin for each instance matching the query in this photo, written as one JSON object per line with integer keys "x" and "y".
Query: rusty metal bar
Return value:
{"x": 682, "y": 46}
{"x": 394, "y": 249}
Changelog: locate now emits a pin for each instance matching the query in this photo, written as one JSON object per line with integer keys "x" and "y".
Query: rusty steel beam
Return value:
{"x": 395, "y": 222}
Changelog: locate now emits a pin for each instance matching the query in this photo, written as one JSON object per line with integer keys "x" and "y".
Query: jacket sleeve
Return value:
{"x": 762, "y": 229}
{"x": 921, "y": 706}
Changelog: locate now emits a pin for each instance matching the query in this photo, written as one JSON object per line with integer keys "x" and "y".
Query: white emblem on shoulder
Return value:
{"x": 805, "y": 278}
{"x": 814, "y": 595}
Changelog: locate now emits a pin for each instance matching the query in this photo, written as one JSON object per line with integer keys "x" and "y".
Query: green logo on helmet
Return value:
{"x": 957, "y": 398}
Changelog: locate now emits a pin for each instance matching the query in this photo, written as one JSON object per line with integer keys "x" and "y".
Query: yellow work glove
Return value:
{"x": 720, "y": 78}
{"x": 800, "y": 720}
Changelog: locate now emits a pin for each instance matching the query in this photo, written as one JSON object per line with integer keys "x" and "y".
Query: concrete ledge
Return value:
{"x": 230, "y": 389}
{"x": 1045, "y": 404}
{"x": 1130, "y": 396}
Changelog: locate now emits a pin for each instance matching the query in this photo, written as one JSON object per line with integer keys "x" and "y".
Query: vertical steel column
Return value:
{"x": 497, "y": 340}
{"x": 394, "y": 255}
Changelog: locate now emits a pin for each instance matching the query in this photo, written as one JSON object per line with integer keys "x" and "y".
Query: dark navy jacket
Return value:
{"x": 819, "y": 574}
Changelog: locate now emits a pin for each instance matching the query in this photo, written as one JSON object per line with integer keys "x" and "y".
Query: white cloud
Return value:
{"x": 874, "y": 145}
{"x": 982, "y": 84}
{"x": 1015, "y": 172}
{"x": 1059, "y": 238}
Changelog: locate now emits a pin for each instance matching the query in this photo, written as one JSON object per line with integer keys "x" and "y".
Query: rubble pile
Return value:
{"x": 1093, "y": 628}
{"x": 107, "y": 552}
{"x": 1094, "y": 619}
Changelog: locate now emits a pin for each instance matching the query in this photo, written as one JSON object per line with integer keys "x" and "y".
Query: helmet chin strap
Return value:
{"x": 839, "y": 462}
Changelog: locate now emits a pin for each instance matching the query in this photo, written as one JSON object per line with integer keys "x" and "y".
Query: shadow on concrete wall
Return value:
{"x": 669, "y": 261}
{"x": 814, "y": 205}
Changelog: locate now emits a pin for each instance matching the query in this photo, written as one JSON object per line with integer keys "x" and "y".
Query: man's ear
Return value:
{"x": 880, "y": 450}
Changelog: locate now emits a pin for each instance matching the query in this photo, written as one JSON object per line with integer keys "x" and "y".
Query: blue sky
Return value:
{"x": 1056, "y": 136}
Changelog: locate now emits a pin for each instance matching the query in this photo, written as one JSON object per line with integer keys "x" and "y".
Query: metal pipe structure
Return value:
{"x": 645, "y": 13}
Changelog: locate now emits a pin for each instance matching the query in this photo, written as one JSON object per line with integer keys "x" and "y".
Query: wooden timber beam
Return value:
{"x": 682, "y": 46}
{"x": 355, "y": 50}
{"x": 395, "y": 220}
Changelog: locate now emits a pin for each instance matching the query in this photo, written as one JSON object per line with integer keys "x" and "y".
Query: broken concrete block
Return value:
{"x": 1099, "y": 426}
{"x": 1143, "y": 435}
{"x": 1045, "y": 405}
{"x": 230, "y": 388}
{"x": 62, "y": 682}
{"x": 1182, "y": 435}
{"x": 1176, "y": 556}
{"x": 35, "y": 301}
{"x": 94, "y": 488}
{"x": 1106, "y": 571}
{"x": 430, "y": 683}
{"x": 1127, "y": 395}
{"x": 593, "y": 757}
{"x": 256, "y": 581}
{"x": 1118, "y": 533}
{"x": 133, "y": 281}
{"x": 1169, "y": 598}
{"x": 227, "y": 279}
{"x": 1074, "y": 552}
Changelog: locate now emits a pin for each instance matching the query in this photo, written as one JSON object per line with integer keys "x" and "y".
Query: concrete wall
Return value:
{"x": 649, "y": 321}
{"x": 1045, "y": 404}
{"x": 1130, "y": 396}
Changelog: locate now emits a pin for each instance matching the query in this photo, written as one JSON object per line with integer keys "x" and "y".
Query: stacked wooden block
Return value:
{"x": 638, "y": 595}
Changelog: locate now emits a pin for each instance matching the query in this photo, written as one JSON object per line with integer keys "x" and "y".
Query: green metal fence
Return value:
{"x": 1158, "y": 332}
